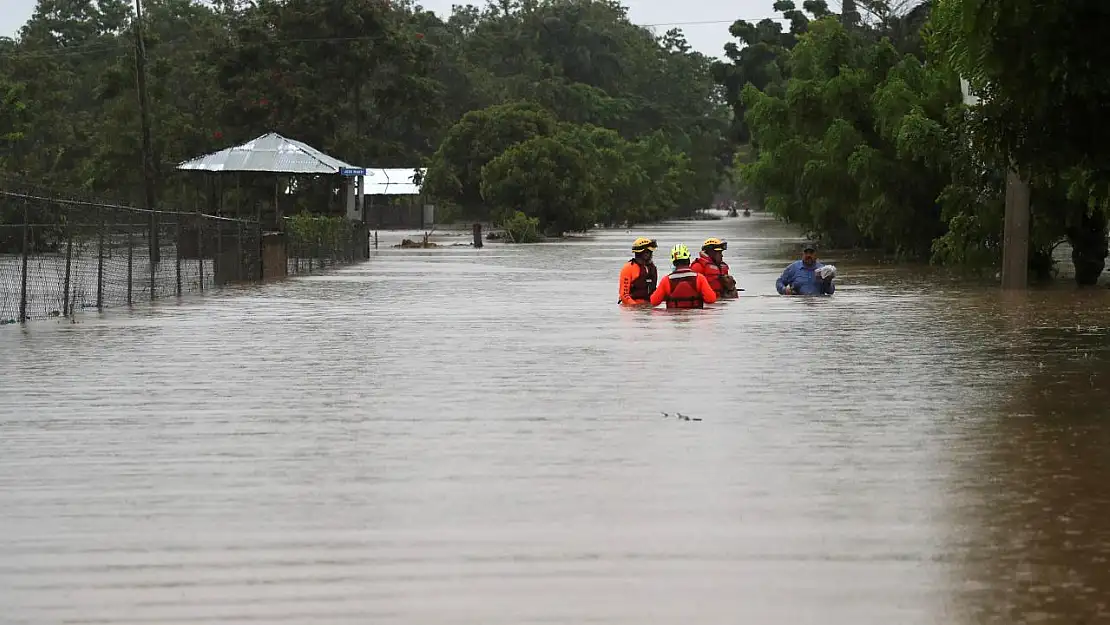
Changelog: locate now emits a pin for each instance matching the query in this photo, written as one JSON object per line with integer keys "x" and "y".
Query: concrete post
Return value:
{"x": 1015, "y": 236}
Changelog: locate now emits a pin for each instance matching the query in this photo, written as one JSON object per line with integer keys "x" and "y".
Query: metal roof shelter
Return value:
{"x": 396, "y": 181}
{"x": 270, "y": 153}
{"x": 272, "y": 156}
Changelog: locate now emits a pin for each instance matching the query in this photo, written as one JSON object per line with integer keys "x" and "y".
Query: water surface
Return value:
{"x": 476, "y": 436}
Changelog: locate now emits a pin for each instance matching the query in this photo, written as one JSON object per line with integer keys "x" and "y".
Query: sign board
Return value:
{"x": 352, "y": 171}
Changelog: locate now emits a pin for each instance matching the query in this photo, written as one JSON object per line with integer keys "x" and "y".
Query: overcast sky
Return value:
{"x": 709, "y": 38}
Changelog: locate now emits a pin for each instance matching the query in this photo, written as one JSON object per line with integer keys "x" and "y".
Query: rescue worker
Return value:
{"x": 639, "y": 275}
{"x": 800, "y": 277}
{"x": 711, "y": 264}
{"x": 683, "y": 288}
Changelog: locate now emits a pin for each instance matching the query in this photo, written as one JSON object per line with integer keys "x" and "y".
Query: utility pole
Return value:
{"x": 1015, "y": 223}
{"x": 1015, "y": 234}
{"x": 849, "y": 16}
{"x": 144, "y": 121}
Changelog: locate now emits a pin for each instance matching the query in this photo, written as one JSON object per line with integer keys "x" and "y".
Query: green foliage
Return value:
{"x": 374, "y": 82}
{"x": 12, "y": 111}
{"x": 548, "y": 178}
{"x": 1041, "y": 75}
{"x": 1041, "y": 71}
{"x": 309, "y": 233}
{"x": 521, "y": 228}
{"x": 584, "y": 63}
{"x": 855, "y": 148}
{"x": 480, "y": 136}
{"x": 566, "y": 175}
{"x": 852, "y": 134}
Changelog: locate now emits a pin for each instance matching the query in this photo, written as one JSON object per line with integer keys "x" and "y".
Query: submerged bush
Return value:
{"x": 521, "y": 228}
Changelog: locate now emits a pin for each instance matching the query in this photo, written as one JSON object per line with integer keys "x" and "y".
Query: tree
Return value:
{"x": 375, "y": 83}
{"x": 548, "y": 178}
{"x": 638, "y": 182}
{"x": 760, "y": 59}
{"x": 1041, "y": 73}
{"x": 455, "y": 170}
{"x": 309, "y": 70}
{"x": 12, "y": 114}
{"x": 586, "y": 63}
{"x": 856, "y": 149}
{"x": 184, "y": 99}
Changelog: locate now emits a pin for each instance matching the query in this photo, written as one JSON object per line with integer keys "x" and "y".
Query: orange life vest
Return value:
{"x": 684, "y": 290}
{"x": 643, "y": 286}
{"x": 711, "y": 271}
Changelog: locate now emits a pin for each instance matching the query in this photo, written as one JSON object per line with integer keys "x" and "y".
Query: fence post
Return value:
{"x": 217, "y": 261}
{"x": 154, "y": 253}
{"x": 241, "y": 252}
{"x": 130, "y": 257}
{"x": 200, "y": 250}
{"x": 23, "y": 277}
{"x": 66, "y": 304}
{"x": 177, "y": 254}
{"x": 100, "y": 260}
{"x": 261, "y": 273}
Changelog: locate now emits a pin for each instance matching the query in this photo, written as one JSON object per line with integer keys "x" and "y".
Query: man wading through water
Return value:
{"x": 639, "y": 276}
{"x": 807, "y": 276}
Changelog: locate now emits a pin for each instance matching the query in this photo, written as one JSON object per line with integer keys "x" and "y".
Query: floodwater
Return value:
{"x": 476, "y": 436}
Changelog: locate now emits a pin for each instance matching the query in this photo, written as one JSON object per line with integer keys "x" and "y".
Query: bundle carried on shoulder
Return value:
{"x": 728, "y": 286}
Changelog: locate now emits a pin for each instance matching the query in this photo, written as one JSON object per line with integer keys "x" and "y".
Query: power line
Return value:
{"x": 706, "y": 22}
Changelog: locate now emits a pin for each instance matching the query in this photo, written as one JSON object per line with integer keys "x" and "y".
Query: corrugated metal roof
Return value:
{"x": 398, "y": 181}
{"x": 271, "y": 153}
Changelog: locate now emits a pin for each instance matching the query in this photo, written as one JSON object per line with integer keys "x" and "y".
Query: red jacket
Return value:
{"x": 683, "y": 289}
{"x": 704, "y": 265}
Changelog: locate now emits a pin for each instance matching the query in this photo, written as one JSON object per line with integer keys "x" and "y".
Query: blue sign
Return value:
{"x": 352, "y": 171}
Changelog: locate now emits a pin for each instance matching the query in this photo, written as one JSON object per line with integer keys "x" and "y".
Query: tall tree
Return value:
{"x": 1042, "y": 74}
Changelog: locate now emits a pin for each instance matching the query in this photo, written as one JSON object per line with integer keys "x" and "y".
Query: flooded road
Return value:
{"x": 476, "y": 436}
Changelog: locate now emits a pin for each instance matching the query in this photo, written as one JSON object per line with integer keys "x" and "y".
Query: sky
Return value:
{"x": 708, "y": 37}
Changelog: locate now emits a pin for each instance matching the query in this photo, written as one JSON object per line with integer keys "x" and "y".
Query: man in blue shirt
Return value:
{"x": 801, "y": 277}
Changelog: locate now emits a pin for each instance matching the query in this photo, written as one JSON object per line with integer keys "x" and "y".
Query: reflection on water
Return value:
{"x": 476, "y": 436}
{"x": 1033, "y": 519}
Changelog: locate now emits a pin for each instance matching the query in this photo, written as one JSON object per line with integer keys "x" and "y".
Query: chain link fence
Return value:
{"x": 61, "y": 256}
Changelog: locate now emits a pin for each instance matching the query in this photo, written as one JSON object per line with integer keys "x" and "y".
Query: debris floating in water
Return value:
{"x": 680, "y": 417}
{"x": 409, "y": 244}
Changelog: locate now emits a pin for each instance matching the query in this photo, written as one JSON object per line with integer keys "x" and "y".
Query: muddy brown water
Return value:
{"x": 475, "y": 436}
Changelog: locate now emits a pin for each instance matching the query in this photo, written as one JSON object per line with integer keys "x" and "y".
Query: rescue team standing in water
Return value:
{"x": 707, "y": 279}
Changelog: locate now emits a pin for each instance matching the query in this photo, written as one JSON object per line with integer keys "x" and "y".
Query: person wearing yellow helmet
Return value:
{"x": 683, "y": 288}
{"x": 639, "y": 275}
{"x": 711, "y": 264}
